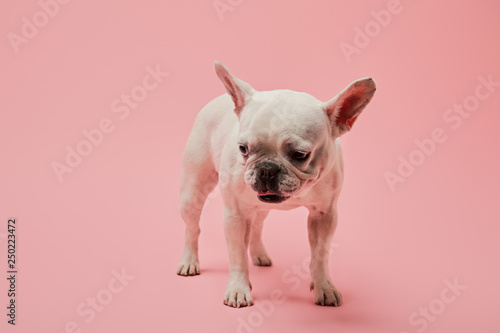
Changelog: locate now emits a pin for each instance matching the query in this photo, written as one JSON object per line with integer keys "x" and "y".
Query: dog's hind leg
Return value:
{"x": 198, "y": 179}
{"x": 258, "y": 252}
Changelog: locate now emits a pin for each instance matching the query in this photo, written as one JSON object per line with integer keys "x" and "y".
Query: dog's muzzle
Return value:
{"x": 267, "y": 183}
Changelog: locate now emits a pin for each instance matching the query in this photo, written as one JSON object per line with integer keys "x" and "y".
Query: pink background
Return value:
{"x": 119, "y": 207}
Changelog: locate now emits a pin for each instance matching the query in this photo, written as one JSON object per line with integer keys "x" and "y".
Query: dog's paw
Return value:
{"x": 238, "y": 297}
{"x": 188, "y": 267}
{"x": 259, "y": 255}
{"x": 326, "y": 294}
{"x": 261, "y": 259}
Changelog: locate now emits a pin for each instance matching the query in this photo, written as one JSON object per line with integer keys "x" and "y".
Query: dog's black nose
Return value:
{"x": 267, "y": 171}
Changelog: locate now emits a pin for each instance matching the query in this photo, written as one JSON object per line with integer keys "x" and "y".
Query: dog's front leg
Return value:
{"x": 321, "y": 226}
{"x": 237, "y": 230}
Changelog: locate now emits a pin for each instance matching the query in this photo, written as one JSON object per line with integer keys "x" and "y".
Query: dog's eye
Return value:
{"x": 300, "y": 156}
{"x": 244, "y": 150}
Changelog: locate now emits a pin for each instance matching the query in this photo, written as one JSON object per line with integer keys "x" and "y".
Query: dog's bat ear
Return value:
{"x": 239, "y": 90}
{"x": 344, "y": 109}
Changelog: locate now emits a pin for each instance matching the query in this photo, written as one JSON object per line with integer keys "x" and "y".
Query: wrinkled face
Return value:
{"x": 283, "y": 141}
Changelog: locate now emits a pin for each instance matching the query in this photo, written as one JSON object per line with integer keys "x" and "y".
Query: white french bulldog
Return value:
{"x": 267, "y": 150}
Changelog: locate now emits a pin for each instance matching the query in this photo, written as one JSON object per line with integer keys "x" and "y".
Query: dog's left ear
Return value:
{"x": 344, "y": 109}
{"x": 239, "y": 90}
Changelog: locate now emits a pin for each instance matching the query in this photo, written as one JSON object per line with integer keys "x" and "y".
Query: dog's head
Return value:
{"x": 286, "y": 138}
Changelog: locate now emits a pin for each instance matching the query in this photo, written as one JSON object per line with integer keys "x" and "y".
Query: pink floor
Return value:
{"x": 418, "y": 240}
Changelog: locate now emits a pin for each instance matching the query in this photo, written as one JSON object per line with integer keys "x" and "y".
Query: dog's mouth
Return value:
{"x": 271, "y": 197}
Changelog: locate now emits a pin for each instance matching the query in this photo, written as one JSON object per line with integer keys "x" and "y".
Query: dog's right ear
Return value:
{"x": 239, "y": 90}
